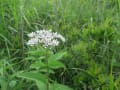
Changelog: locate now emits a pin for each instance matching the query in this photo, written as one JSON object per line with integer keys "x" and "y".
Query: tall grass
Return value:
{"x": 91, "y": 28}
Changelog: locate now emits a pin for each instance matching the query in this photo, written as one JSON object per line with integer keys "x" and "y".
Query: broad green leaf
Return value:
{"x": 57, "y": 56}
{"x": 55, "y": 64}
{"x": 3, "y": 84}
{"x": 32, "y": 76}
{"x": 59, "y": 87}
{"x": 37, "y": 65}
{"x": 41, "y": 85}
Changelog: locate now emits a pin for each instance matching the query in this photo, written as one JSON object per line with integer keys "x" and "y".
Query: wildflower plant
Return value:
{"x": 44, "y": 61}
{"x": 45, "y": 37}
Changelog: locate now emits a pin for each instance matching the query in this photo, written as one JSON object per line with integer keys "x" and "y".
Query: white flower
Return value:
{"x": 32, "y": 41}
{"x": 45, "y": 37}
{"x": 31, "y": 35}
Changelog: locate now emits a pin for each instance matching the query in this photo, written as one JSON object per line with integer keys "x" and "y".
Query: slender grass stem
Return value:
{"x": 47, "y": 70}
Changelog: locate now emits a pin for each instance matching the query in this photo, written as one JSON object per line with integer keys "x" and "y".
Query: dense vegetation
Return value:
{"x": 89, "y": 59}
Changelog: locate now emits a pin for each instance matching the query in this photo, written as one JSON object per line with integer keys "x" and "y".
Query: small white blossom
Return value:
{"x": 31, "y": 35}
{"x": 45, "y": 37}
{"x": 32, "y": 41}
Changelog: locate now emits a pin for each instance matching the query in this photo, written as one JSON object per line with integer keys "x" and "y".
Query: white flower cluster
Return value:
{"x": 45, "y": 37}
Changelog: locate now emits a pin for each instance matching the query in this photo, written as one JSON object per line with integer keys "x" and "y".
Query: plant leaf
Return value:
{"x": 3, "y": 84}
{"x": 37, "y": 65}
{"x": 33, "y": 76}
{"x": 57, "y": 56}
{"x": 59, "y": 87}
{"x": 55, "y": 64}
{"x": 41, "y": 85}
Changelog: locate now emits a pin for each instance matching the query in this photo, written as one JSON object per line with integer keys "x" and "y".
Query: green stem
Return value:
{"x": 119, "y": 4}
{"x": 47, "y": 71}
{"x": 21, "y": 30}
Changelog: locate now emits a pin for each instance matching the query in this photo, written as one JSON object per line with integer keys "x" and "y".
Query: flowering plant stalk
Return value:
{"x": 43, "y": 61}
{"x": 45, "y": 41}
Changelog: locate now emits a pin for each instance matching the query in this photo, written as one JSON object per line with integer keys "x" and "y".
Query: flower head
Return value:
{"x": 46, "y": 38}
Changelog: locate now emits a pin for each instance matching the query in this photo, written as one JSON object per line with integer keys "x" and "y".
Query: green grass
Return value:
{"x": 91, "y": 29}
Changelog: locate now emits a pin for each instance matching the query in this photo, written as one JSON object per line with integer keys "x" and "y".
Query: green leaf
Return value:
{"x": 3, "y": 84}
{"x": 41, "y": 85}
{"x": 55, "y": 64}
{"x": 38, "y": 52}
{"x": 57, "y": 56}
{"x": 44, "y": 70}
{"x": 37, "y": 65}
{"x": 119, "y": 3}
{"x": 32, "y": 76}
{"x": 1, "y": 67}
{"x": 116, "y": 64}
{"x": 55, "y": 86}
{"x": 59, "y": 87}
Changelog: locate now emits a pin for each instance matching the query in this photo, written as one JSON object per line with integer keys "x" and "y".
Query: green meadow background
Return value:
{"x": 92, "y": 32}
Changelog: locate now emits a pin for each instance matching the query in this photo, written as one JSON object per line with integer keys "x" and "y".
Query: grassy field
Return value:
{"x": 89, "y": 57}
